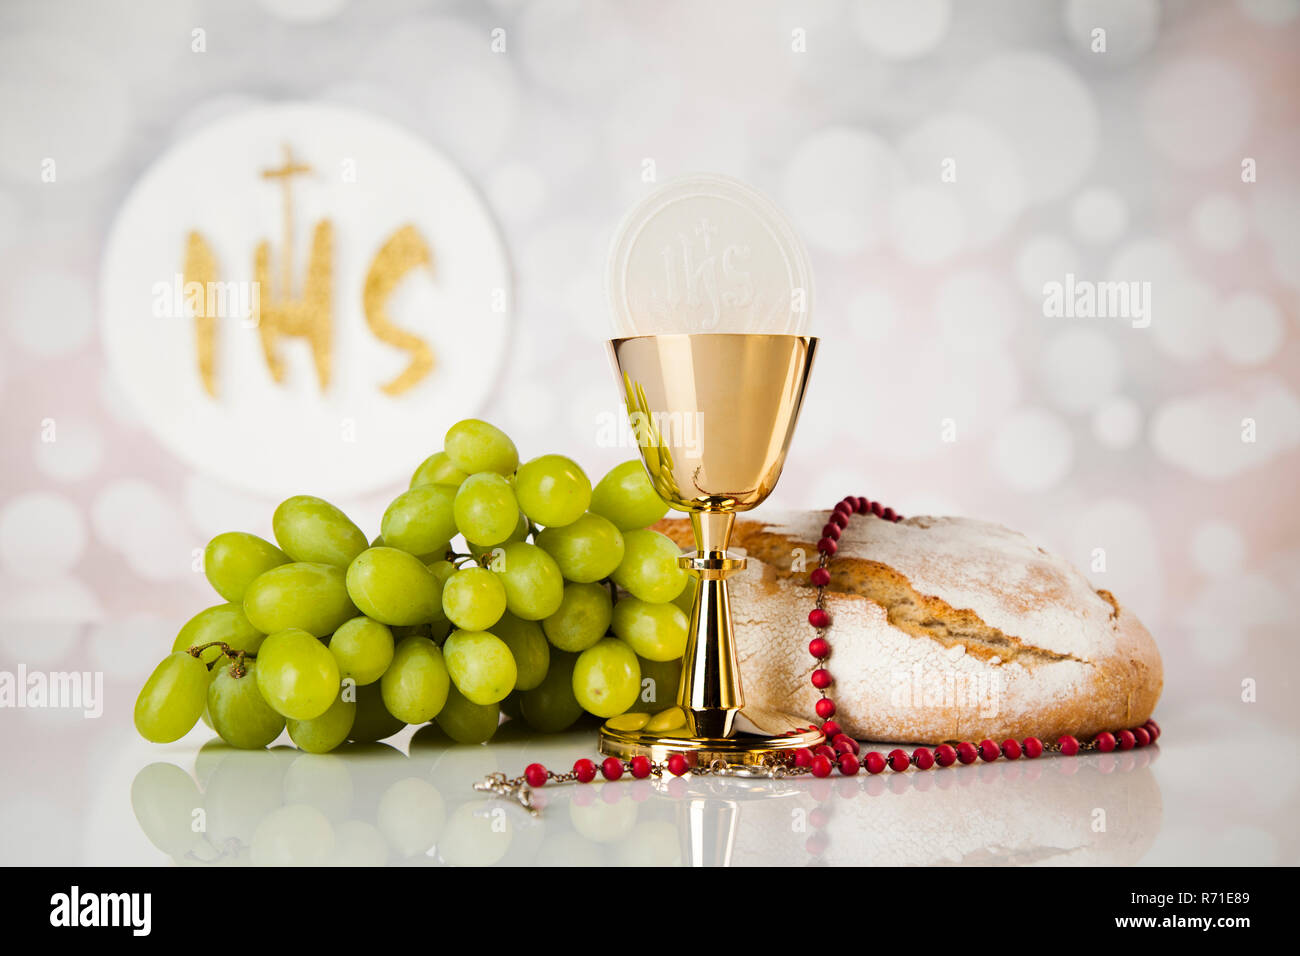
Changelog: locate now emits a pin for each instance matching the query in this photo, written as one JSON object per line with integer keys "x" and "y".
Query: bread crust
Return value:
{"x": 943, "y": 629}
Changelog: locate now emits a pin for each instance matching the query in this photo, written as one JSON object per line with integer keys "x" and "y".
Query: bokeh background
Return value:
{"x": 1084, "y": 433}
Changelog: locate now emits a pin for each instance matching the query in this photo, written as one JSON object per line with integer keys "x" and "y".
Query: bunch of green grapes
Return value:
{"x": 561, "y": 600}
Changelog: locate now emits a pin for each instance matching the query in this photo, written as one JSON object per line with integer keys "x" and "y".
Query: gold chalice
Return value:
{"x": 713, "y": 415}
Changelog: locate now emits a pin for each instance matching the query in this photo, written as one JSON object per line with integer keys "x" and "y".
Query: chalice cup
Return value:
{"x": 713, "y": 414}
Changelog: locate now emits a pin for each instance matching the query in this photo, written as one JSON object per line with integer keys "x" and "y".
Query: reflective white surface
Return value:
{"x": 79, "y": 791}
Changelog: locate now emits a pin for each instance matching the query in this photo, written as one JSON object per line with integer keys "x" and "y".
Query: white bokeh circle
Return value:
{"x": 1044, "y": 258}
{"x": 42, "y": 535}
{"x": 295, "y": 437}
{"x": 1044, "y": 110}
{"x": 926, "y": 224}
{"x": 1197, "y": 111}
{"x": 1250, "y": 329}
{"x": 51, "y": 312}
{"x": 137, "y": 520}
{"x": 1081, "y": 367}
{"x": 1033, "y": 449}
{"x": 838, "y": 188}
{"x": 1218, "y": 547}
{"x": 1117, "y": 422}
{"x": 70, "y": 449}
{"x": 902, "y": 29}
{"x": 1131, "y": 26}
{"x": 1219, "y": 222}
{"x": 1099, "y": 214}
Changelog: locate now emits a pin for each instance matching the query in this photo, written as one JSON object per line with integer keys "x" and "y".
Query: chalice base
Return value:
{"x": 762, "y": 741}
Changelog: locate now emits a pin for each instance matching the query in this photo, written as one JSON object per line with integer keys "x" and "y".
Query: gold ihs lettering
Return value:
{"x": 199, "y": 272}
{"x": 405, "y": 250}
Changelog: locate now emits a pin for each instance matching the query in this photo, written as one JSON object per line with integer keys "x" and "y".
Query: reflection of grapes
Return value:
{"x": 492, "y": 587}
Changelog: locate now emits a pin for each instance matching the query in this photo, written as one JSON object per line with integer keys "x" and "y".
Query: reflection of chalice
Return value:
{"x": 713, "y": 415}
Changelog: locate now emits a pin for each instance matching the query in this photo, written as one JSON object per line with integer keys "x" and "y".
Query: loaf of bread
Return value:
{"x": 942, "y": 629}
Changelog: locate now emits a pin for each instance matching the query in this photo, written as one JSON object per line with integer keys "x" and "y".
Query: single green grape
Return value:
{"x": 297, "y": 674}
{"x": 172, "y": 699}
{"x": 473, "y": 599}
{"x": 467, "y": 722}
{"x": 606, "y": 678}
{"x": 232, "y": 561}
{"x": 312, "y": 597}
{"x": 312, "y": 529}
{"x": 322, "y": 734}
{"x": 394, "y": 587}
{"x": 437, "y": 469}
{"x": 528, "y": 646}
{"x": 239, "y": 712}
{"x": 626, "y": 497}
{"x": 363, "y": 649}
{"x": 659, "y": 683}
{"x": 481, "y": 665}
{"x": 552, "y": 490}
{"x": 534, "y": 585}
{"x": 415, "y": 685}
{"x": 222, "y": 622}
{"x": 485, "y": 509}
{"x": 521, "y": 533}
{"x": 473, "y": 446}
{"x": 587, "y": 550}
{"x": 582, "y": 619}
{"x": 550, "y": 706}
{"x": 655, "y": 631}
{"x": 421, "y": 520}
{"x": 373, "y": 721}
{"x": 649, "y": 566}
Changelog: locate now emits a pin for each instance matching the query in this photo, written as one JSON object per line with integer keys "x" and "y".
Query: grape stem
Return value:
{"x": 237, "y": 669}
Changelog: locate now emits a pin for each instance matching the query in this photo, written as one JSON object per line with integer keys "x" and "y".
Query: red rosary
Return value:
{"x": 841, "y": 752}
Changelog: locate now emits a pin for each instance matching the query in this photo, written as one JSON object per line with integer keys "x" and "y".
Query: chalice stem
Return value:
{"x": 710, "y": 691}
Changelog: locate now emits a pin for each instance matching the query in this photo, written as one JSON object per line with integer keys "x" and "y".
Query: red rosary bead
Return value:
{"x": 612, "y": 768}
{"x": 887, "y": 514}
{"x": 842, "y": 741}
{"x": 819, "y": 648}
{"x": 584, "y": 770}
{"x": 641, "y": 766}
{"x": 898, "y": 761}
{"x": 1153, "y": 729}
{"x": 1105, "y": 741}
{"x": 827, "y": 546}
{"x": 825, "y": 708}
{"x": 839, "y": 519}
{"x": 1032, "y": 747}
{"x": 923, "y": 758}
{"x": 831, "y": 530}
{"x": 821, "y": 678}
{"x": 1142, "y": 736}
{"x": 967, "y": 752}
{"x": 945, "y": 755}
{"x": 821, "y": 766}
{"x": 849, "y": 765}
{"x": 989, "y": 751}
{"x": 803, "y": 757}
{"x": 877, "y": 508}
{"x": 1126, "y": 739}
{"x": 1011, "y": 749}
{"x": 535, "y": 775}
{"x": 874, "y": 762}
{"x": 819, "y": 618}
{"x": 863, "y": 505}
{"x": 844, "y": 508}
{"x": 825, "y": 750}
{"x": 678, "y": 764}
{"x": 1068, "y": 745}
{"x": 820, "y": 577}
{"x": 831, "y": 729}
